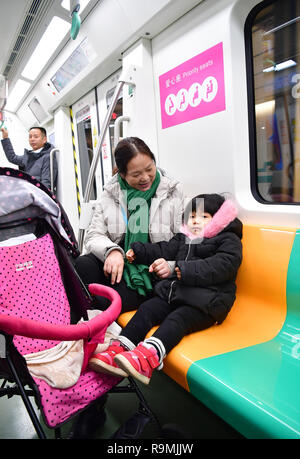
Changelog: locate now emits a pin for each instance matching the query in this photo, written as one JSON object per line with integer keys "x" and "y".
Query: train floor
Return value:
{"x": 170, "y": 403}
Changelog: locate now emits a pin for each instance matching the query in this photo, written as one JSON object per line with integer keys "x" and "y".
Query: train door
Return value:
{"x": 86, "y": 132}
{"x": 105, "y": 93}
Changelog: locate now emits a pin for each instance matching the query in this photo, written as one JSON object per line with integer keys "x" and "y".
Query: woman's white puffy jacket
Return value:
{"x": 108, "y": 225}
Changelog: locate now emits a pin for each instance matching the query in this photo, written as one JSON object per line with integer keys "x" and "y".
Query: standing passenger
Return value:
{"x": 35, "y": 162}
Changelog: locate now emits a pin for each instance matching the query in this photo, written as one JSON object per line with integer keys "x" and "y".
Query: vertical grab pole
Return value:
{"x": 54, "y": 150}
{"x": 126, "y": 78}
{"x": 3, "y": 92}
{"x": 3, "y": 98}
{"x": 96, "y": 156}
{"x": 117, "y": 129}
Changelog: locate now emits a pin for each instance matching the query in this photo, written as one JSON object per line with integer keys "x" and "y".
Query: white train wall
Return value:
{"x": 209, "y": 153}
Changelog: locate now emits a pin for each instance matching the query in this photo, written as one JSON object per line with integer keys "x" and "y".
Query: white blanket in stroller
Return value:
{"x": 61, "y": 365}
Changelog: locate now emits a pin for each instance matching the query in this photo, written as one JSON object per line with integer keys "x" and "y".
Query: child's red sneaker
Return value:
{"x": 104, "y": 361}
{"x": 139, "y": 363}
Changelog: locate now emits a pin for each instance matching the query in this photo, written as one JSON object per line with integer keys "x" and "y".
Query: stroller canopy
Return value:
{"x": 23, "y": 199}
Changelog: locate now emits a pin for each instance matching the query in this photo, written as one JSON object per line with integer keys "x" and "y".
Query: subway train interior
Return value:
{"x": 213, "y": 88}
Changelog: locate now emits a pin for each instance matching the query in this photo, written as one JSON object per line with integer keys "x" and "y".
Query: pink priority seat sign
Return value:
{"x": 193, "y": 89}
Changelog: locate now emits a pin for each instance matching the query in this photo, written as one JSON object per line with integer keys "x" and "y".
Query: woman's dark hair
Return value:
{"x": 127, "y": 149}
{"x": 43, "y": 130}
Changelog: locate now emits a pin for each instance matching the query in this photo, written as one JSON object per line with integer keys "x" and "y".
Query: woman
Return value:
{"x": 140, "y": 203}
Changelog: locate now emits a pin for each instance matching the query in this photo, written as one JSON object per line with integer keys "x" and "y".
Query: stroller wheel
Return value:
{"x": 172, "y": 431}
{"x": 133, "y": 427}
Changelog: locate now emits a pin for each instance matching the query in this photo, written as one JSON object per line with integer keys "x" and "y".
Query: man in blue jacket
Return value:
{"x": 35, "y": 162}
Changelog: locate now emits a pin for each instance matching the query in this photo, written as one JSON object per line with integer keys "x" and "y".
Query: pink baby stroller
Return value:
{"x": 41, "y": 303}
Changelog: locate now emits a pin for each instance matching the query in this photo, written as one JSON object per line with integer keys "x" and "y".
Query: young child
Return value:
{"x": 198, "y": 294}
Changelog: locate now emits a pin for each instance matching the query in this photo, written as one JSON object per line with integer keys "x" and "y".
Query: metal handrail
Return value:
{"x": 117, "y": 127}
{"x": 4, "y": 88}
{"x": 125, "y": 78}
{"x": 3, "y": 97}
{"x": 54, "y": 150}
{"x": 96, "y": 156}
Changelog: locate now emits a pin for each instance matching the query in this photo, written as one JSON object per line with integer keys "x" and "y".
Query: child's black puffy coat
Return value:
{"x": 208, "y": 269}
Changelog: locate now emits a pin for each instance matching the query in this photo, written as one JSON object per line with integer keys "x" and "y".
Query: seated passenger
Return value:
{"x": 140, "y": 203}
{"x": 198, "y": 294}
{"x": 119, "y": 219}
{"x": 35, "y": 162}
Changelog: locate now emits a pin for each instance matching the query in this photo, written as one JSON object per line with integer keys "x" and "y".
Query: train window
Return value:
{"x": 85, "y": 146}
{"x": 272, "y": 35}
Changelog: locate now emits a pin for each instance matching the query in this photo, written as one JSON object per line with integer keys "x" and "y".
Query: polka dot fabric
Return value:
{"x": 60, "y": 404}
{"x": 31, "y": 288}
{"x": 23, "y": 197}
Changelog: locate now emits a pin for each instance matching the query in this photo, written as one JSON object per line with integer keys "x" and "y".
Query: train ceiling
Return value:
{"x": 22, "y": 24}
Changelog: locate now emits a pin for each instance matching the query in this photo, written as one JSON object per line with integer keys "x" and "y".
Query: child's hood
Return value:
{"x": 224, "y": 220}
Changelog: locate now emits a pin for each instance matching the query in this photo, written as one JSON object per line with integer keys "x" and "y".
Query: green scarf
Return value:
{"x": 137, "y": 277}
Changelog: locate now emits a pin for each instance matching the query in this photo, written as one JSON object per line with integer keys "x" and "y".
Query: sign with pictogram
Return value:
{"x": 193, "y": 89}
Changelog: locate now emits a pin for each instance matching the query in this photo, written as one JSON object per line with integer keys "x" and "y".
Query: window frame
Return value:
{"x": 251, "y": 104}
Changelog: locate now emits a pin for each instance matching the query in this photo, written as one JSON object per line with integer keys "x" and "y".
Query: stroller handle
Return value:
{"x": 92, "y": 330}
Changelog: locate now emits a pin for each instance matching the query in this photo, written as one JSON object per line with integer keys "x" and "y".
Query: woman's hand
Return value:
{"x": 130, "y": 255}
{"x": 113, "y": 266}
{"x": 161, "y": 268}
